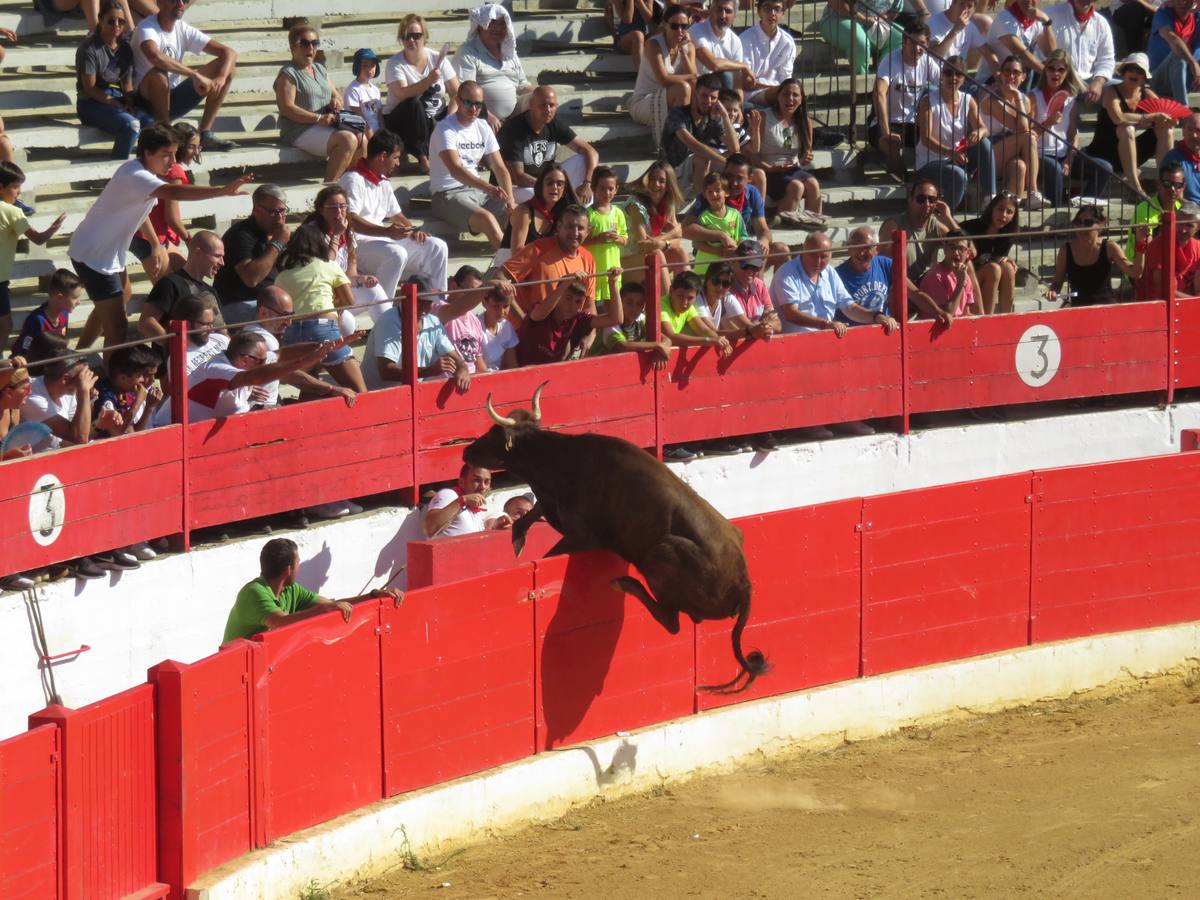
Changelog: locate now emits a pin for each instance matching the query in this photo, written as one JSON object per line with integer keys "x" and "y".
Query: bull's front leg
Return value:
{"x": 522, "y": 525}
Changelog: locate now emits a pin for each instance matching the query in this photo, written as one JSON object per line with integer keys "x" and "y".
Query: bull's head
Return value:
{"x": 490, "y": 450}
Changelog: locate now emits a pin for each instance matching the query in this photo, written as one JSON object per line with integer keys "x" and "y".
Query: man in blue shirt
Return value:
{"x": 1173, "y": 45}
{"x": 807, "y": 293}
{"x": 867, "y": 277}
{"x": 1187, "y": 154}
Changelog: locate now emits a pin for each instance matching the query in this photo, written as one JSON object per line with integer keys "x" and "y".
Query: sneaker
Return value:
{"x": 817, "y": 432}
{"x": 87, "y": 569}
{"x": 295, "y": 519}
{"x": 119, "y": 560}
{"x": 678, "y": 454}
{"x": 142, "y": 551}
{"x": 802, "y": 218}
{"x": 858, "y": 429}
{"x": 1035, "y": 201}
{"x": 764, "y": 443}
{"x": 335, "y": 509}
{"x": 24, "y": 207}
{"x": 722, "y": 448}
{"x": 17, "y": 583}
{"x": 355, "y": 509}
{"x": 210, "y": 143}
{"x": 161, "y": 545}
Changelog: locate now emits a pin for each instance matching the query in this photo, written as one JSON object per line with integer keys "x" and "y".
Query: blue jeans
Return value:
{"x": 952, "y": 180}
{"x": 115, "y": 120}
{"x": 1093, "y": 173}
{"x": 315, "y": 331}
{"x": 1170, "y": 78}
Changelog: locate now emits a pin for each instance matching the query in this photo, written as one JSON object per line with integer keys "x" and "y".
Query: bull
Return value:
{"x": 604, "y": 493}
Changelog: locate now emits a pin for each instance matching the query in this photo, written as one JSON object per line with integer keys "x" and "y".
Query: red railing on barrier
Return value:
{"x": 467, "y": 555}
{"x": 30, "y": 800}
{"x": 1185, "y": 353}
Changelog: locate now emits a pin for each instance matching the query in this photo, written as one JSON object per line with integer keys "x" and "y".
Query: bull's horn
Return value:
{"x": 496, "y": 417}
{"x": 536, "y": 406}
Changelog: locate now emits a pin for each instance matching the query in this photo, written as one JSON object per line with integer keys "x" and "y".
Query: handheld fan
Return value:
{"x": 1172, "y": 108}
{"x": 1056, "y": 104}
{"x": 31, "y": 433}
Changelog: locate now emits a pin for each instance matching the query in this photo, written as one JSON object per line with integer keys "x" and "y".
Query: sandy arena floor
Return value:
{"x": 1098, "y": 796}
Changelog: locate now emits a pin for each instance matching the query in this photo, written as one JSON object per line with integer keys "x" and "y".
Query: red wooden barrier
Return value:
{"x": 109, "y": 823}
{"x": 603, "y": 664}
{"x": 206, "y": 774}
{"x": 29, "y": 820}
{"x": 1185, "y": 354}
{"x": 788, "y": 382}
{"x": 83, "y": 500}
{"x": 317, "y": 702}
{"x": 945, "y": 573}
{"x": 1114, "y": 547}
{"x": 457, "y": 673}
{"x": 1027, "y": 357}
{"x": 610, "y": 394}
{"x": 804, "y": 565}
{"x": 299, "y": 455}
{"x": 467, "y": 555}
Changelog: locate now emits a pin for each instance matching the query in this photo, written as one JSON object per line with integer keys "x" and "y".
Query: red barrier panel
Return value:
{"x": 1185, "y": 362}
{"x": 603, "y": 664}
{"x": 467, "y": 555}
{"x": 804, "y": 611}
{"x": 317, "y": 702}
{"x": 109, "y": 822}
{"x": 206, "y": 780}
{"x": 1114, "y": 546}
{"x": 609, "y": 394}
{"x": 1028, "y": 357}
{"x": 30, "y": 794}
{"x": 299, "y": 455}
{"x": 83, "y": 500}
{"x": 945, "y": 573}
{"x": 457, "y": 672}
{"x": 788, "y": 382}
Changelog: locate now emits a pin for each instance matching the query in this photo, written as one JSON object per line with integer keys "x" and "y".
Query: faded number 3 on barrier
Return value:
{"x": 1038, "y": 355}
{"x": 47, "y": 510}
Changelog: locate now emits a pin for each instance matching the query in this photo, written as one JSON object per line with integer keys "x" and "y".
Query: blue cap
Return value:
{"x": 364, "y": 53}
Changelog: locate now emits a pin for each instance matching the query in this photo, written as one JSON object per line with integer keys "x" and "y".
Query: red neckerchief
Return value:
{"x": 473, "y": 509}
{"x": 1187, "y": 154}
{"x": 1185, "y": 28}
{"x": 1022, "y": 19}
{"x": 736, "y": 202}
{"x": 1086, "y": 17}
{"x": 537, "y": 205}
{"x": 339, "y": 243}
{"x": 658, "y": 218}
{"x": 364, "y": 170}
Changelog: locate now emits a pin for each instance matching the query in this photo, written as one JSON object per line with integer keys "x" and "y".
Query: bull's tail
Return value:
{"x": 753, "y": 663}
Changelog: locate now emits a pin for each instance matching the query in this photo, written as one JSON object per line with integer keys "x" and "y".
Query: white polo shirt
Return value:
{"x": 728, "y": 46}
{"x": 1090, "y": 44}
{"x": 771, "y": 59}
{"x": 374, "y": 202}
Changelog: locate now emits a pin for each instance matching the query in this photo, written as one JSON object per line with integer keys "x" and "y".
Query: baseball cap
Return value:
{"x": 752, "y": 249}
{"x": 361, "y": 55}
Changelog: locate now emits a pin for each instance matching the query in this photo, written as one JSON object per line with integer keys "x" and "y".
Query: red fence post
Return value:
{"x": 408, "y": 315}
{"x": 654, "y": 333}
{"x": 1172, "y": 303}
{"x": 179, "y": 415}
{"x": 900, "y": 311}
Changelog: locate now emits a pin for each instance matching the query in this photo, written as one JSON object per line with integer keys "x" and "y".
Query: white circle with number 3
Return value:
{"x": 47, "y": 510}
{"x": 1038, "y": 355}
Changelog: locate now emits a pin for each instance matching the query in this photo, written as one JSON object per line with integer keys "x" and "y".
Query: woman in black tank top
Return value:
{"x": 1086, "y": 262}
{"x": 535, "y": 218}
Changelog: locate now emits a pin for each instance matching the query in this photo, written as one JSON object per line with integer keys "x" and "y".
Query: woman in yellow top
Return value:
{"x": 319, "y": 288}
{"x": 609, "y": 231}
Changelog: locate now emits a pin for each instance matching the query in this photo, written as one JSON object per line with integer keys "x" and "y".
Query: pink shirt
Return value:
{"x": 756, "y": 300}
{"x": 939, "y": 283}
{"x": 466, "y": 333}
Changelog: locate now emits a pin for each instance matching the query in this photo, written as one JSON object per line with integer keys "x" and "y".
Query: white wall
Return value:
{"x": 175, "y": 607}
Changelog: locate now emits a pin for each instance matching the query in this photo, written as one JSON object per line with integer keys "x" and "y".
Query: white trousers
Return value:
{"x": 393, "y": 261}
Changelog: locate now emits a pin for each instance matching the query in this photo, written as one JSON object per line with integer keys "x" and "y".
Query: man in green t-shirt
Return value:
{"x": 1170, "y": 192}
{"x": 274, "y": 599}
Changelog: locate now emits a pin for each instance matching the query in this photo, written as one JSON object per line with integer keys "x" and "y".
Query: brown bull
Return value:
{"x": 603, "y": 493}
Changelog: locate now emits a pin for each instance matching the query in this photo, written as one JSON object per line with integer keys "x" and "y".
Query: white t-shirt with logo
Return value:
{"x": 103, "y": 236}
{"x": 434, "y": 98}
{"x": 176, "y": 43}
{"x": 194, "y": 358}
{"x": 907, "y": 83}
{"x": 39, "y": 406}
{"x": 211, "y": 394}
{"x": 473, "y": 142}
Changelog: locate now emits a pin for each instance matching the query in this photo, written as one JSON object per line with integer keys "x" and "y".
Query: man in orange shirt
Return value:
{"x": 552, "y": 258}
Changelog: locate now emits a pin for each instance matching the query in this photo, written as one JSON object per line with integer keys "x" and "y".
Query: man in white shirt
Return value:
{"x": 461, "y": 142}
{"x": 1021, "y": 30}
{"x": 957, "y": 32}
{"x": 770, "y": 52}
{"x": 168, "y": 88}
{"x": 718, "y": 48}
{"x": 1085, "y": 34}
{"x": 904, "y": 76}
{"x": 389, "y": 246}
{"x": 61, "y": 399}
{"x": 462, "y": 509}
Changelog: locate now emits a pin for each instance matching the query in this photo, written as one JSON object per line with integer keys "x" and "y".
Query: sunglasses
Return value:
{"x": 275, "y": 211}
{"x": 339, "y": 207}
{"x": 414, "y": 36}
{"x": 926, "y": 198}
{"x": 750, "y": 267}
{"x": 723, "y": 282}
{"x": 678, "y": 26}
{"x": 471, "y": 104}
{"x": 1175, "y": 185}
{"x": 305, "y": 42}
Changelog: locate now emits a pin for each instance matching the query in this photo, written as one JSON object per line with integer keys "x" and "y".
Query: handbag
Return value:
{"x": 348, "y": 121}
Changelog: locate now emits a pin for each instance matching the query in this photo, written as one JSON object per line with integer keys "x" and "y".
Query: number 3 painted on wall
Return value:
{"x": 47, "y": 510}
{"x": 1038, "y": 356}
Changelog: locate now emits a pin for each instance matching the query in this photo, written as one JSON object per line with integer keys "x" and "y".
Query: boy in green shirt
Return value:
{"x": 1172, "y": 182}
{"x": 14, "y": 226}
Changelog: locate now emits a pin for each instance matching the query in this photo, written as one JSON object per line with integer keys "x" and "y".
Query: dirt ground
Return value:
{"x": 1096, "y": 796}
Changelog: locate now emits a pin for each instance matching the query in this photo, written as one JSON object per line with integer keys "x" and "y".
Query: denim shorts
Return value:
{"x": 315, "y": 331}
{"x": 184, "y": 98}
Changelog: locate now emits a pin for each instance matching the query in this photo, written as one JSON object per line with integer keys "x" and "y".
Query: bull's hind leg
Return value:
{"x": 674, "y": 570}
{"x": 666, "y": 617}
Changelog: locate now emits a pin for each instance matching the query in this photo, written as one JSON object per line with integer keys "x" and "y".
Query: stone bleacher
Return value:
{"x": 561, "y": 42}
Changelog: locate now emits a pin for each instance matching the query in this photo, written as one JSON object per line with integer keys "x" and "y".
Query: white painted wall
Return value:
{"x": 175, "y": 607}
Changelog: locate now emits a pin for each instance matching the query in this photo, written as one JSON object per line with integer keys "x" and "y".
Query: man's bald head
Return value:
{"x": 206, "y": 255}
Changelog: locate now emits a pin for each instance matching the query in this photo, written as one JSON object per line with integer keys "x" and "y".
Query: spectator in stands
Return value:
{"x": 1023, "y": 30}
{"x": 1131, "y": 19}
{"x": 274, "y": 599}
{"x": 201, "y": 318}
{"x": 331, "y": 215}
{"x": 666, "y": 75}
{"x": 1187, "y": 154}
{"x": 952, "y": 141}
{"x": 722, "y": 309}
{"x": 98, "y": 246}
{"x": 519, "y": 506}
{"x": 559, "y": 328}
{"x": 13, "y": 226}
{"x": 742, "y": 196}
{"x": 437, "y": 357}
{"x": 252, "y": 249}
{"x": 718, "y": 48}
{"x": 719, "y": 228}
{"x": 904, "y": 75}
{"x": 61, "y": 399}
{"x": 461, "y": 142}
{"x": 991, "y": 238}
{"x": 770, "y": 50}
{"x": 51, "y": 317}
{"x": 168, "y": 88}
{"x": 1088, "y": 39}
{"x": 608, "y": 232}
{"x": 1088, "y": 260}
{"x": 654, "y": 202}
{"x": 732, "y": 101}
{"x": 926, "y": 217}
{"x": 1006, "y": 114}
{"x": 499, "y": 336}
{"x": 463, "y": 327}
{"x": 126, "y": 395}
{"x": 537, "y": 217}
{"x": 950, "y": 283}
{"x": 683, "y": 321}
{"x": 696, "y": 133}
{"x": 1187, "y": 257}
{"x": 362, "y": 95}
{"x": 488, "y": 57}
{"x": 1116, "y": 140}
{"x": 104, "y": 81}
{"x": 164, "y": 229}
{"x": 462, "y": 509}
{"x": 751, "y": 291}
{"x": 553, "y": 259}
{"x": 309, "y": 105}
{"x": 1170, "y": 186}
{"x": 52, "y": 10}
{"x": 867, "y": 278}
{"x": 1174, "y": 49}
{"x": 1058, "y": 138}
{"x": 529, "y": 144}
{"x": 862, "y": 32}
{"x": 960, "y": 31}
{"x": 206, "y": 256}
{"x": 422, "y": 89}
{"x": 786, "y": 143}
{"x": 15, "y": 386}
{"x": 631, "y": 22}
{"x": 390, "y": 247}
{"x": 630, "y": 336}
